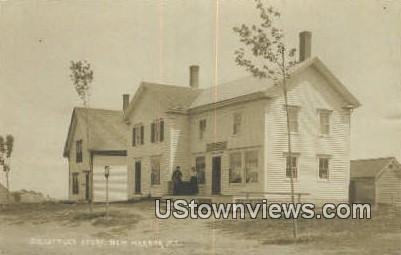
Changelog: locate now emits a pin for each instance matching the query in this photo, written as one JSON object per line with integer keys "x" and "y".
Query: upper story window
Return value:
{"x": 293, "y": 118}
{"x": 138, "y": 133}
{"x": 323, "y": 167}
{"x": 78, "y": 151}
{"x": 202, "y": 128}
{"x": 291, "y": 166}
{"x": 157, "y": 131}
{"x": 75, "y": 183}
{"x": 324, "y": 118}
{"x": 200, "y": 168}
{"x": 236, "y": 123}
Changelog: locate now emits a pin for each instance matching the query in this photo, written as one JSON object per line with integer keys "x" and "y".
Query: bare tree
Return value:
{"x": 266, "y": 56}
{"x": 81, "y": 77}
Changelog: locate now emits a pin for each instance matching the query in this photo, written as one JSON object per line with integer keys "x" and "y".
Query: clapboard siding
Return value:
{"x": 310, "y": 91}
{"x": 388, "y": 187}
{"x": 219, "y": 128}
{"x": 148, "y": 109}
{"x": 82, "y": 167}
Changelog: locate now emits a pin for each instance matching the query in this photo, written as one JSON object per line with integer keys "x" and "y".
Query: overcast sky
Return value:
{"x": 131, "y": 41}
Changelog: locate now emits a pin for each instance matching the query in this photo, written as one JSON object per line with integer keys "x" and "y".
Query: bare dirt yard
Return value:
{"x": 57, "y": 228}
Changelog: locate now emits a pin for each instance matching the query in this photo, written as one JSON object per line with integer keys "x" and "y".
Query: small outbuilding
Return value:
{"x": 375, "y": 181}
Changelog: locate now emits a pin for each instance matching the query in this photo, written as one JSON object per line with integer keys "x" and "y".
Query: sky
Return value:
{"x": 132, "y": 41}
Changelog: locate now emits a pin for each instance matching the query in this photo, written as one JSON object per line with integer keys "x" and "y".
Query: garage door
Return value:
{"x": 117, "y": 179}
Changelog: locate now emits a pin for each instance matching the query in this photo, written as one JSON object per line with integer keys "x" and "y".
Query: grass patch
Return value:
{"x": 334, "y": 234}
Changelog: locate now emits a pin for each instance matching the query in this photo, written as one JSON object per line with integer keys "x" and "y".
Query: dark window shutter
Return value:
{"x": 142, "y": 133}
{"x": 152, "y": 132}
{"x": 161, "y": 136}
{"x": 133, "y": 136}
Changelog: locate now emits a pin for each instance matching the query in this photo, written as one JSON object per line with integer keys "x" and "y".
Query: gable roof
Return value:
{"x": 249, "y": 85}
{"x": 175, "y": 97}
{"x": 369, "y": 167}
{"x": 106, "y": 129}
{"x": 230, "y": 90}
{"x": 185, "y": 98}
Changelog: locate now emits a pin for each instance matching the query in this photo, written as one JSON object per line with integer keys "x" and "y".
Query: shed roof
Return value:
{"x": 369, "y": 167}
{"x": 106, "y": 129}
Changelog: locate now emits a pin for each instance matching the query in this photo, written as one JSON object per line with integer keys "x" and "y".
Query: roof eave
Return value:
{"x": 236, "y": 100}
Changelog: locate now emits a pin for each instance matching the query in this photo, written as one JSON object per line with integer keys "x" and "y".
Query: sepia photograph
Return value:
{"x": 200, "y": 127}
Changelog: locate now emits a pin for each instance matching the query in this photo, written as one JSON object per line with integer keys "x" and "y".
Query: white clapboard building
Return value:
{"x": 106, "y": 147}
{"x": 234, "y": 135}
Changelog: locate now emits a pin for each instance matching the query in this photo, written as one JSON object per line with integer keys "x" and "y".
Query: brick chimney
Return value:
{"x": 125, "y": 102}
{"x": 305, "y": 45}
{"x": 194, "y": 76}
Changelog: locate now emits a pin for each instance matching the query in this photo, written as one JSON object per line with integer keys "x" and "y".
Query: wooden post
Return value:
{"x": 107, "y": 198}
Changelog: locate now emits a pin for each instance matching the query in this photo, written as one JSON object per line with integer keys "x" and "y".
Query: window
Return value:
{"x": 155, "y": 170}
{"x": 78, "y": 151}
{"x": 202, "y": 128}
{"x": 236, "y": 123}
{"x": 251, "y": 166}
{"x": 323, "y": 168}
{"x": 293, "y": 118}
{"x": 200, "y": 169}
{"x": 293, "y": 167}
{"x": 138, "y": 135}
{"x": 157, "y": 131}
{"x": 324, "y": 117}
{"x": 75, "y": 183}
{"x": 235, "y": 168}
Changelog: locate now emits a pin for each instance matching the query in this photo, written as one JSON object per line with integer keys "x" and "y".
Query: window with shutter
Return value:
{"x": 142, "y": 134}
{"x": 202, "y": 128}
{"x": 152, "y": 132}
{"x": 75, "y": 183}
{"x": 323, "y": 168}
{"x": 236, "y": 123}
{"x": 134, "y": 137}
{"x": 157, "y": 131}
{"x": 324, "y": 118}
{"x": 78, "y": 151}
{"x": 293, "y": 118}
{"x": 291, "y": 166}
{"x": 161, "y": 136}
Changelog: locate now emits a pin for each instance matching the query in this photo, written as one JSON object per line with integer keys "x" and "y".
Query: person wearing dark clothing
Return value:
{"x": 177, "y": 180}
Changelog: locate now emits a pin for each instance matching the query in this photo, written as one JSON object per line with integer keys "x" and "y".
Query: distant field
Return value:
{"x": 133, "y": 229}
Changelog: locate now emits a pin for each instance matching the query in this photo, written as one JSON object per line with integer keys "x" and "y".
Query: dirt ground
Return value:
{"x": 133, "y": 229}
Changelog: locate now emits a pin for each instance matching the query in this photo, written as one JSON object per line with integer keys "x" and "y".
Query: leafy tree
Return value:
{"x": 6, "y": 149}
{"x": 266, "y": 56}
{"x": 81, "y": 77}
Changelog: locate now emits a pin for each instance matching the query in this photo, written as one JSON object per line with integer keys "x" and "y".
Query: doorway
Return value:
{"x": 87, "y": 188}
{"x": 137, "y": 177}
{"x": 216, "y": 175}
